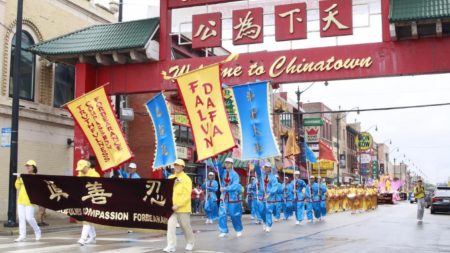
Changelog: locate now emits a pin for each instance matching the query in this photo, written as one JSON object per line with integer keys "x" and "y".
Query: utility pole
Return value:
{"x": 118, "y": 99}
{"x": 15, "y": 120}
{"x": 300, "y": 127}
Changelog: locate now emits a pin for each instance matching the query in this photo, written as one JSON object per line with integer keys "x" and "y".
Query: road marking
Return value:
{"x": 132, "y": 249}
{"x": 112, "y": 239}
{"x": 17, "y": 244}
{"x": 60, "y": 248}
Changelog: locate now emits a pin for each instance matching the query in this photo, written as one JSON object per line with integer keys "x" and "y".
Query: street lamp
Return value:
{"x": 338, "y": 131}
{"x": 387, "y": 159}
{"x": 300, "y": 121}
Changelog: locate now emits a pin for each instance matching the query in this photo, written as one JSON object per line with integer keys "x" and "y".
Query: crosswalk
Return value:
{"x": 103, "y": 245}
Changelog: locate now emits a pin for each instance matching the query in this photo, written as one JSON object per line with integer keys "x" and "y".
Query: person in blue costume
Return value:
{"x": 299, "y": 191}
{"x": 279, "y": 199}
{"x": 130, "y": 172}
{"x": 251, "y": 198}
{"x": 313, "y": 191}
{"x": 268, "y": 187}
{"x": 323, "y": 199}
{"x": 230, "y": 199}
{"x": 288, "y": 198}
{"x": 211, "y": 209}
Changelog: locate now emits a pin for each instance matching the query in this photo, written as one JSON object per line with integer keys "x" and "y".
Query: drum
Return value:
{"x": 351, "y": 196}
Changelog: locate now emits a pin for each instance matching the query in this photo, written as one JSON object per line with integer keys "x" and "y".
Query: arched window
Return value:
{"x": 27, "y": 66}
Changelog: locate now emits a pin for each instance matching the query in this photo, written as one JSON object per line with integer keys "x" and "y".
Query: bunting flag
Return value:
{"x": 325, "y": 152}
{"x": 165, "y": 152}
{"x": 292, "y": 147}
{"x": 94, "y": 115}
{"x": 310, "y": 157}
{"x": 203, "y": 98}
{"x": 253, "y": 109}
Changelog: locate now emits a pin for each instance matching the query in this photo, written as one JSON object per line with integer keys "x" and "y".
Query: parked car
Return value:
{"x": 428, "y": 199}
{"x": 440, "y": 201}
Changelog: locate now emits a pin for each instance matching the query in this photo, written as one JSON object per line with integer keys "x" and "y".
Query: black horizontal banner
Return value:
{"x": 132, "y": 203}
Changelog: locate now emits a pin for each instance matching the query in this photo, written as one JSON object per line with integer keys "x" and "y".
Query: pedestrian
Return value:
{"x": 181, "y": 207}
{"x": 130, "y": 172}
{"x": 41, "y": 215}
{"x": 419, "y": 194}
{"x": 230, "y": 199}
{"x": 201, "y": 205}
{"x": 88, "y": 234}
{"x": 25, "y": 209}
{"x": 267, "y": 195}
{"x": 211, "y": 209}
{"x": 197, "y": 192}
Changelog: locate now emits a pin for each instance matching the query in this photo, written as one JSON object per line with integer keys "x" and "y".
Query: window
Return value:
{"x": 286, "y": 119}
{"x": 27, "y": 65}
{"x": 64, "y": 84}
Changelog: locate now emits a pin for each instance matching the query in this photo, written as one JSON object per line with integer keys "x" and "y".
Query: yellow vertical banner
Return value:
{"x": 94, "y": 115}
{"x": 201, "y": 91}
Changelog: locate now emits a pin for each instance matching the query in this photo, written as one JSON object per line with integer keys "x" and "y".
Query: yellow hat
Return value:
{"x": 81, "y": 164}
{"x": 30, "y": 163}
{"x": 180, "y": 162}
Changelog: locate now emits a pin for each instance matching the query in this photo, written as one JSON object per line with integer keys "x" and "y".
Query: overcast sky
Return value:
{"x": 422, "y": 135}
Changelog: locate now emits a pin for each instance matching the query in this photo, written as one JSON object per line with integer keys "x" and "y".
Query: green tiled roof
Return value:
{"x": 100, "y": 38}
{"x": 409, "y": 10}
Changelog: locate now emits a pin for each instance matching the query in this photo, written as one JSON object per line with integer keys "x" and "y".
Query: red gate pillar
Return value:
{"x": 85, "y": 81}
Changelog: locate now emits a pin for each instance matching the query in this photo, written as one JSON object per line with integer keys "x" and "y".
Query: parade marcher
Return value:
{"x": 288, "y": 199}
{"x": 25, "y": 209}
{"x": 230, "y": 200}
{"x": 181, "y": 207}
{"x": 419, "y": 194}
{"x": 268, "y": 187}
{"x": 251, "y": 197}
{"x": 323, "y": 199}
{"x": 297, "y": 187}
{"x": 332, "y": 201}
{"x": 316, "y": 195}
{"x": 211, "y": 209}
{"x": 352, "y": 200}
{"x": 309, "y": 200}
{"x": 130, "y": 172}
{"x": 279, "y": 198}
{"x": 88, "y": 233}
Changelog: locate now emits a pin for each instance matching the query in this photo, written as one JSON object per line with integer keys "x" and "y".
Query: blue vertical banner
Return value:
{"x": 253, "y": 108}
{"x": 165, "y": 152}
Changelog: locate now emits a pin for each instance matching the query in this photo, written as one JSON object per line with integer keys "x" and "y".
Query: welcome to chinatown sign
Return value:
{"x": 290, "y": 24}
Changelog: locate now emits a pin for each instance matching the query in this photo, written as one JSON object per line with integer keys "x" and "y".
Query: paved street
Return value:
{"x": 391, "y": 228}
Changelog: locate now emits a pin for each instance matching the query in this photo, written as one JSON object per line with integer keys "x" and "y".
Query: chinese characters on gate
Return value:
{"x": 290, "y": 23}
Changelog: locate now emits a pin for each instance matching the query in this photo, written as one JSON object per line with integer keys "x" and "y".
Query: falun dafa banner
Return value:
{"x": 94, "y": 115}
{"x": 201, "y": 91}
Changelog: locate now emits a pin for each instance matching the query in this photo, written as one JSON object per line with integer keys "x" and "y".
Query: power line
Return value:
{"x": 379, "y": 109}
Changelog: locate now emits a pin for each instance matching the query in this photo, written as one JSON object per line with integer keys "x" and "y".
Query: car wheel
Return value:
{"x": 432, "y": 211}
{"x": 411, "y": 202}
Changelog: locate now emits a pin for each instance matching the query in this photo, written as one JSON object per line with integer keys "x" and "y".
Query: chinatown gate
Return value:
{"x": 412, "y": 44}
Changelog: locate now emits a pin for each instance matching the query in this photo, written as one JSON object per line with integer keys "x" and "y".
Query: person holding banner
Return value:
{"x": 267, "y": 195}
{"x": 25, "y": 209}
{"x": 288, "y": 189}
{"x": 230, "y": 200}
{"x": 182, "y": 209}
{"x": 211, "y": 209}
{"x": 88, "y": 233}
{"x": 315, "y": 190}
